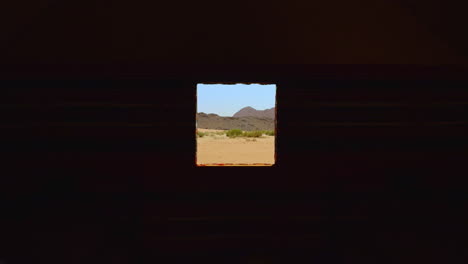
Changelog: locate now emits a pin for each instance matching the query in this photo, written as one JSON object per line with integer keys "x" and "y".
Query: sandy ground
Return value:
{"x": 216, "y": 149}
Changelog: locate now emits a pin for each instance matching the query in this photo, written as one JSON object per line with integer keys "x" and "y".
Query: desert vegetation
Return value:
{"x": 233, "y": 133}
{"x": 254, "y": 134}
{"x": 201, "y": 134}
{"x": 236, "y": 133}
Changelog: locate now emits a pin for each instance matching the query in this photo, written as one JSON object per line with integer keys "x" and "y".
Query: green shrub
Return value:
{"x": 234, "y": 133}
{"x": 250, "y": 134}
{"x": 200, "y": 134}
{"x": 253, "y": 134}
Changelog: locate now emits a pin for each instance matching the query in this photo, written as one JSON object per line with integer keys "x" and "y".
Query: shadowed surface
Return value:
{"x": 97, "y": 109}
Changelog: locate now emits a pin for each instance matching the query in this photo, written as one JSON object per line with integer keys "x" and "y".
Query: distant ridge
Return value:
{"x": 247, "y": 123}
{"x": 250, "y": 111}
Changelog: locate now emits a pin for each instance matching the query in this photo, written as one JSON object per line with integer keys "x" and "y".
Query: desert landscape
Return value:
{"x": 246, "y": 138}
{"x": 247, "y": 119}
{"x": 215, "y": 147}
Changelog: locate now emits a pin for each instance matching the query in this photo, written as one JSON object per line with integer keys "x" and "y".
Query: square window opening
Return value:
{"x": 235, "y": 124}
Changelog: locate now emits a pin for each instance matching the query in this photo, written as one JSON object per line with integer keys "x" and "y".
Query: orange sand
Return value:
{"x": 217, "y": 149}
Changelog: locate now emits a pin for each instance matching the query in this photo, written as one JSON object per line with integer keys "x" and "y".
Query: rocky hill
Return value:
{"x": 250, "y": 111}
{"x": 248, "y": 123}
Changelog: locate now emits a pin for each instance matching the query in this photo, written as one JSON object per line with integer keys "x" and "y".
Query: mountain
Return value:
{"x": 248, "y": 123}
{"x": 250, "y": 111}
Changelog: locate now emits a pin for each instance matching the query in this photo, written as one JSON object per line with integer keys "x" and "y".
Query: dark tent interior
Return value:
{"x": 97, "y": 111}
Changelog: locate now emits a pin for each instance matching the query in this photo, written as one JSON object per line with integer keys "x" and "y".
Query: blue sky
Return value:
{"x": 227, "y": 99}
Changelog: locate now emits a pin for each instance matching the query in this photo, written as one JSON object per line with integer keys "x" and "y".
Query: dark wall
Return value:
{"x": 371, "y": 151}
{"x": 272, "y": 32}
{"x": 370, "y": 166}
